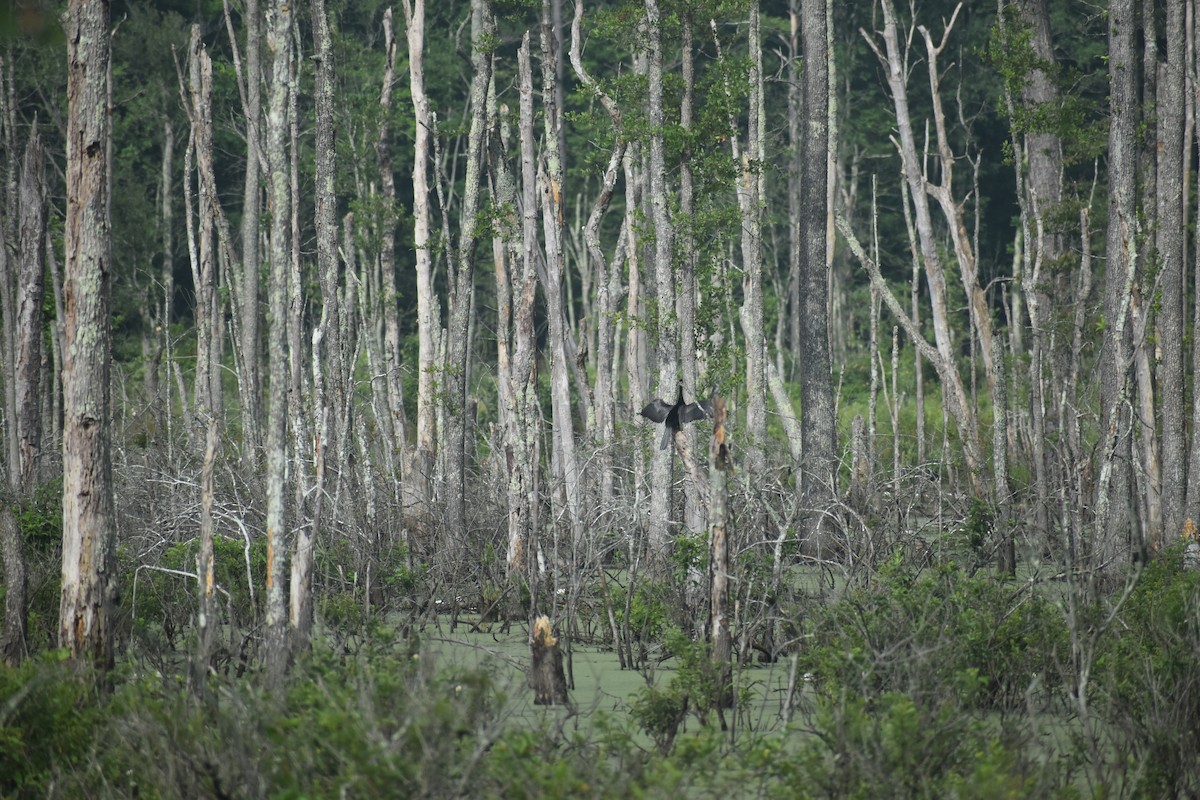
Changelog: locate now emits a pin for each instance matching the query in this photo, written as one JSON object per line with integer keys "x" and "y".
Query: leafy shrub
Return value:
{"x": 1149, "y": 687}
{"x": 892, "y": 746}
{"x": 47, "y": 718}
{"x": 918, "y": 632}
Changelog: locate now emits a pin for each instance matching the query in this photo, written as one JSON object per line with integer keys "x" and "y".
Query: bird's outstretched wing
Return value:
{"x": 695, "y": 411}
{"x": 657, "y": 410}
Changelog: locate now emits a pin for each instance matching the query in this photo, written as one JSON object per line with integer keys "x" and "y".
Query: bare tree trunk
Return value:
{"x": 88, "y": 561}
{"x": 428, "y": 312}
{"x": 1174, "y": 156}
{"x": 664, "y": 234}
{"x": 795, "y": 166}
{"x": 893, "y": 61}
{"x": 750, "y": 203}
{"x": 818, "y": 422}
{"x": 248, "y": 349}
{"x": 521, "y": 444}
{"x": 1116, "y": 456}
{"x": 606, "y": 284}
{"x": 718, "y": 561}
{"x": 462, "y": 282}
{"x": 25, "y": 378}
{"x": 685, "y": 273}
{"x": 208, "y": 329}
{"x": 552, "y": 225}
{"x": 279, "y": 45}
{"x": 330, "y": 395}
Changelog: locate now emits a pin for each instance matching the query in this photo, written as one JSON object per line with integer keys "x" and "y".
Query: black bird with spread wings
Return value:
{"x": 675, "y": 415}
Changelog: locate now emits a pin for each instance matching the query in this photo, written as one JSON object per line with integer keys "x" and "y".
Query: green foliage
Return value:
{"x": 47, "y": 717}
{"x": 40, "y": 518}
{"x": 1149, "y": 686}
{"x": 895, "y": 746}
{"x": 647, "y": 610}
{"x": 929, "y": 634}
{"x": 163, "y": 600}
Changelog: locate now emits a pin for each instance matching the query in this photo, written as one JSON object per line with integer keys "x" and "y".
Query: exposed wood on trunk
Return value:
{"x": 549, "y": 681}
{"x": 88, "y": 560}
{"x": 719, "y": 465}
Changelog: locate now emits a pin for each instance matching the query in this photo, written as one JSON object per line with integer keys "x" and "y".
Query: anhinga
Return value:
{"x": 675, "y": 415}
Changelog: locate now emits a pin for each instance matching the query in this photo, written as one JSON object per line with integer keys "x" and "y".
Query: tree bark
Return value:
{"x": 667, "y": 338}
{"x": 961, "y": 408}
{"x": 818, "y": 423}
{"x": 462, "y": 281}
{"x": 719, "y": 465}
{"x": 26, "y": 379}
{"x": 279, "y": 45}
{"x": 330, "y": 394}
{"x": 553, "y": 230}
{"x": 1111, "y": 537}
{"x": 88, "y": 560}
{"x": 1173, "y": 160}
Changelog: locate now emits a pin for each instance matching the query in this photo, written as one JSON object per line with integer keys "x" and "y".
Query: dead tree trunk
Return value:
{"x": 88, "y": 560}
{"x": 463, "y": 277}
{"x": 24, "y": 375}
{"x": 549, "y": 681}
{"x": 818, "y": 422}
{"x": 667, "y": 344}
{"x": 279, "y": 44}
{"x": 719, "y": 464}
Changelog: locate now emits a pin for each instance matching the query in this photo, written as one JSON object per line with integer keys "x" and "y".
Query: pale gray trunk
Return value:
{"x": 330, "y": 394}
{"x": 207, "y": 392}
{"x": 667, "y": 342}
{"x": 607, "y": 282}
{"x": 1173, "y": 165}
{"x": 250, "y": 372}
{"x": 685, "y": 276}
{"x": 203, "y": 257}
{"x": 428, "y": 312}
{"x": 795, "y": 163}
{"x": 521, "y": 443}
{"x": 560, "y": 355}
{"x": 750, "y": 203}
{"x": 462, "y": 281}
{"x": 1112, "y": 502}
{"x": 718, "y": 561}
{"x": 818, "y": 422}
{"x": 88, "y": 558}
{"x": 893, "y": 61}
{"x": 279, "y": 45}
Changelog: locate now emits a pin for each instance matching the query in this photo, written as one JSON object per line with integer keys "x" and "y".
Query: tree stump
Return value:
{"x": 549, "y": 681}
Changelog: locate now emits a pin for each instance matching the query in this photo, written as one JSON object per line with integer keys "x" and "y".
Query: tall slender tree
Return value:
{"x": 88, "y": 559}
{"x": 664, "y": 235}
{"x": 24, "y": 375}
{"x": 1115, "y": 454}
{"x": 818, "y": 424}
{"x": 279, "y": 45}
{"x": 1173, "y": 156}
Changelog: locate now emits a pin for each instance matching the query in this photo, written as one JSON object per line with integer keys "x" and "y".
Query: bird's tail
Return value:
{"x": 668, "y": 435}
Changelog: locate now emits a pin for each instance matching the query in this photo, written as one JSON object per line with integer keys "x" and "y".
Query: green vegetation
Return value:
{"x": 920, "y": 683}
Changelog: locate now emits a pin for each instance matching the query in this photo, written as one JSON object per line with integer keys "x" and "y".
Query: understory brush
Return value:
{"x": 923, "y": 683}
